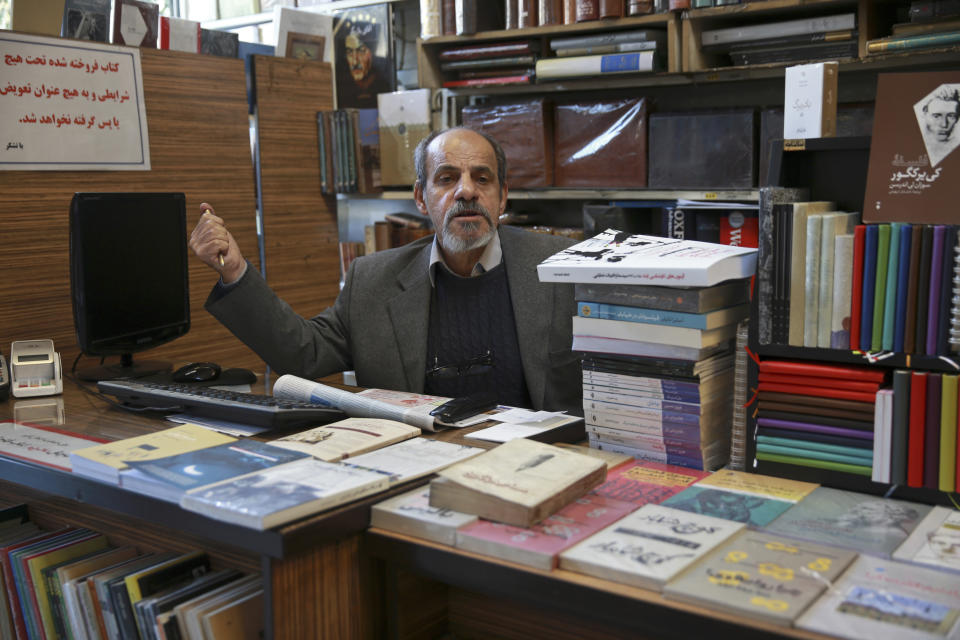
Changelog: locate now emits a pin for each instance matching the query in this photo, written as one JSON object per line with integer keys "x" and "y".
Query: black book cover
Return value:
{"x": 946, "y": 291}
{"x": 923, "y": 289}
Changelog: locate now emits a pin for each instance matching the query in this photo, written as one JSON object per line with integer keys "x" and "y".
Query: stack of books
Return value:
{"x": 817, "y": 415}
{"x": 657, "y": 359}
{"x": 349, "y": 145}
{"x": 933, "y": 23}
{"x": 811, "y": 38}
{"x": 496, "y": 63}
{"x": 636, "y": 51}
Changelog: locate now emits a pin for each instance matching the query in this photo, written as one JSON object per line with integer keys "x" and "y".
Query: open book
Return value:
{"x": 411, "y": 408}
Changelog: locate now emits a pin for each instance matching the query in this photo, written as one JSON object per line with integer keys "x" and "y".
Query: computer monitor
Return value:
{"x": 128, "y": 277}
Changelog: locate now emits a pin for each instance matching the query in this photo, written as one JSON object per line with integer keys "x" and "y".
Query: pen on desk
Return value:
{"x": 219, "y": 255}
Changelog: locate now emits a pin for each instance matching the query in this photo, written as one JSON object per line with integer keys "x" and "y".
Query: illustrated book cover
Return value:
{"x": 880, "y": 598}
{"x": 641, "y": 482}
{"x": 761, "y": 575}
{"x": 411, "y": 514}
{"x": 363, "y": 56}
{"x": 617, "y": 257}
{"x": 104, "y": 462}
{"x": 169, "y": 477}
{"x": 277, "y": 495}
{"x": 413, "y": 458}
{"x": 345, "y": 438}
{"x": 648, "y": 547}
{"x": 934, "y": 542}
{"x": 539, "y": 545}
{"x": 914, "y": 164}
{"x": 868, "y": 524}
{"x": 519, "y": 482}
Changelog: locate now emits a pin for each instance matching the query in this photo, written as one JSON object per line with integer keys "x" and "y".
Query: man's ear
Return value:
{"x": 418, "y": 198}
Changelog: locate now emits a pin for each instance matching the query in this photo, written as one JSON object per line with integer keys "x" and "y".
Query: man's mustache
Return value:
{"x": 462, "y": 207}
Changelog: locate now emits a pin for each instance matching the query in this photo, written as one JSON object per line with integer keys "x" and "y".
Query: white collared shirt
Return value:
{"x": 492, "y": 256}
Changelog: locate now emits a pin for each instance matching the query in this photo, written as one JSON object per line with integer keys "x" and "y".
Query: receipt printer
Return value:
{"x": 34, "y": 369}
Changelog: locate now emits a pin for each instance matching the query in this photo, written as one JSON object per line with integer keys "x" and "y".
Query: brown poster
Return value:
{"x": 914, "y": 171}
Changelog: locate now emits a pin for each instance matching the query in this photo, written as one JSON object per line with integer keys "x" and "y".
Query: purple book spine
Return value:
{"x": 815, "y": 428}
{"x": 939, "y": 234}
{"x": 931, "y": 433}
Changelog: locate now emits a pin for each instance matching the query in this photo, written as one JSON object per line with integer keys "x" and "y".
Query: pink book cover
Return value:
{"x": 643, "y": 482}
{"x": 539, "y": 545}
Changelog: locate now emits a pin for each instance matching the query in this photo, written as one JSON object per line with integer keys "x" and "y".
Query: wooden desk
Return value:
{"x": 317, "y": 583}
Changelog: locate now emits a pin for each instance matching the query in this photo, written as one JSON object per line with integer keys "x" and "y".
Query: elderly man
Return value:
{"x": 451, "y": 314}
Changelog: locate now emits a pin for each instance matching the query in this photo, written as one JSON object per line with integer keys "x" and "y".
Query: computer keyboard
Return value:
{"x": 233, "y": 406}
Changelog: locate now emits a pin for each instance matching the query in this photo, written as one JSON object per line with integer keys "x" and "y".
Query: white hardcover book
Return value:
{"x": 177, "y": 34}
{"x": 744, "y": 33}
{"x": 834, "y": 224}
{"x": 643, "y": 331}
{"x": 648, "y": 547}
{"x": 414, "y": 458}
{"x": 603, "y": 64}
{"x": 882, "y": 433}
{"x": 288, "y": 20}
{"x": 879, "y": 599}
{"x": 797, "y": 275}
{"x": 811, "y": 280}
{"x": 411, "y": 514}
{"x": 616, "y": 257}
{"x": 274, "y": 496}
{"x": 842, "y": 290}
{"x": 810, "y": 101}
{"x": 935, "y": 542}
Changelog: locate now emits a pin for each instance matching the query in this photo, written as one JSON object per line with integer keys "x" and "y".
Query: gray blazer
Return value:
{"x": 378, "y": 324}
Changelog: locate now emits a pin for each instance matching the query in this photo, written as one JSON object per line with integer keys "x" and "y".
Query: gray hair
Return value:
{"x": 420, "y": 155}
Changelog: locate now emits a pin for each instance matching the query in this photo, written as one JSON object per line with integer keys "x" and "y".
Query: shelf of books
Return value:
{"x": 718, "y": 195}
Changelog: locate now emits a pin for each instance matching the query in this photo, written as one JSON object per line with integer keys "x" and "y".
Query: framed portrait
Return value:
{"x": 363, "y": 55}
{"x": 305, "y": 46}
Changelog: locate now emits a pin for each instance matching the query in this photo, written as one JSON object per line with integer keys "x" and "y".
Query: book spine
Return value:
{"x": 903, "y": 271}
{"x": 880, "y": 286}
{"x": 948, "y": 433}
{"x": 511, "y": 9}
{"x": 856, "y": 284}
{"x": 801, "y": 445}
{"x": 569, "y": 11}
{"x": 777, "y": 29}
{"x": 639, "y": 7}
{"x": 550, "y": 12}
{"x": 811, "y": 281}
{"x": 862, "y": 470}
{"x": 824, "y": 392}
{"x": 449, "y": 17}
{"x": 877, "y": 468}
{"x": 636, "y": 314}
{"x": 635, "y": 412}
{"x": 575, "y": 66}
{"x": 797, "y": 300}
{"x": 839, "y": 329}
{"x": 588, "y": 10}
{"x": 610, "y": 9}
{"x": 954, "y": 331}
{"x": 936, "y": 273}
{"x": 607, "y": 38}
{"x": 431, "y": 23}
{"x": 931, "y": 432}
{"x": 913, "y": 42}
{"x": 496, "y": 80}
{"x": 869, "y": 286}
{"x": 649, "y": 385}
{"x": 946, "y": 289}
{"x": 640, "y": 393}
{"x": 501, "y": 50}
{"x": 624, "y": 47}
{"x": 923, "y": 290}
{"x": 812, "y": 427}
{"x": 815, "y": 454}
{"x": 918, "y": 411}
{"x": 913, "y": 281}
{"x": 784, "y": 41}
{"x": 901, "y": 423}
{"x": 610, "y": 420}
{"x": 527, "y": 13}
{"x": 890, "y": 296}
{"x": 679, "y": 411}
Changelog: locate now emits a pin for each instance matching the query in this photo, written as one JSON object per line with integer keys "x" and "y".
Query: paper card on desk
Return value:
{"x": 223, "y": 426}
{"x": 525, "y": 416}
{"x": 510, "y": 430}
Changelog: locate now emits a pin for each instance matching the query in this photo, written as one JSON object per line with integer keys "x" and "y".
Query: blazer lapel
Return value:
{"x": 409, "y": 313}
{"x": 532, "y": 309}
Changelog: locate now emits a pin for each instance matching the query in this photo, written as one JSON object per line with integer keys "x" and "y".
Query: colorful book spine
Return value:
{"x": 652, "y": 316}
{"x": 814, "y": 454}
{"x": 901, "y": 424}
{"x": 913, "y": 42}
{"x": 812, "y": 427}
{"x": 936, "y": 281}
{"x": 890, "y": 296}
{"x": 858, "y": 469}
{"x": 869, "y": 286}
{"x": 801, "y": 445}
{"x": 822, "y": 392}
{"x": 918, "y": 413}
{"x": 931, "y": 432}
{"x": 880, "y": 286}
{"x": 948, "y": 433}
{"x": 856, "y": 284}
{"x": 821, "y": 370}
{"x": 903, "y": 272}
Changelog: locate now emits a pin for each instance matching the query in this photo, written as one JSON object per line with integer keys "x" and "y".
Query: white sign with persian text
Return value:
{"x": 71, "y": 105}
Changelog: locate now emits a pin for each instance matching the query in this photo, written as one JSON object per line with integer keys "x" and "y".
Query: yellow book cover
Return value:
{"x": 948, "y": 432}
{"x": 154, "y": 578}
{"x": 759, "y": 485}
{"x": 105, "y": 461}
{"x": 37, "y": 564}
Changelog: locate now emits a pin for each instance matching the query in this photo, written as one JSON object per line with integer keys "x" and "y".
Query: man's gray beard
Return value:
{"x": 455, "y": 243}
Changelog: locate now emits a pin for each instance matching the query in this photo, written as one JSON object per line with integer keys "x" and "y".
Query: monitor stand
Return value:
{"x": 126, "y": 368}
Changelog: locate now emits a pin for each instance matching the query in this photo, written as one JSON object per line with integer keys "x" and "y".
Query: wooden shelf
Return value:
{"x": 652, "y": 20}
{"x": 717, "y": 195}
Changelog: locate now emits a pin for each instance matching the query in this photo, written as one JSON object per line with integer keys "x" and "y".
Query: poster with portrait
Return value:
{"x": 914, "y": 170}
{"x": 363, "y": 51}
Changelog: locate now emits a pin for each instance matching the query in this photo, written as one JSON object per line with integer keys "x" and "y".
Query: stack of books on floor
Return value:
{"x": 658, "y": 366}
{"x": 496, "y": 63}
{"x": 71, "y": 582}
{"x": 817, "y": 415}
{"x": 827, "y": 37}
{"x": 635, "y": 51}
{"x": 790, "y": 553}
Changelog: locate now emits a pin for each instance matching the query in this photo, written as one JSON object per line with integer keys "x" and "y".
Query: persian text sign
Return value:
{"x": 71, "y": 105}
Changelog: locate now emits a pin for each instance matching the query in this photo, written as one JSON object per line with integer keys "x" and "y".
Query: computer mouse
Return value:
{"x": 197, "y": 372}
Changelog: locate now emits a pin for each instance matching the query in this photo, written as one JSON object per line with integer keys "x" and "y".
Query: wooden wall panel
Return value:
{"x": 199, "y": 144}
{"x": 299, "y": 223}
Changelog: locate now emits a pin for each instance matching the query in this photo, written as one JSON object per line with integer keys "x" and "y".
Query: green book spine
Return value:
{"x": 865, "y": 455}
{"x": 901, "y": 421}
{"x": 948, "y": 432}
{"x": 890, "y": 297}
{"x": 819, "y": 464}
{"x": 880, "y": 289}
{"x": 814, "y": 454}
